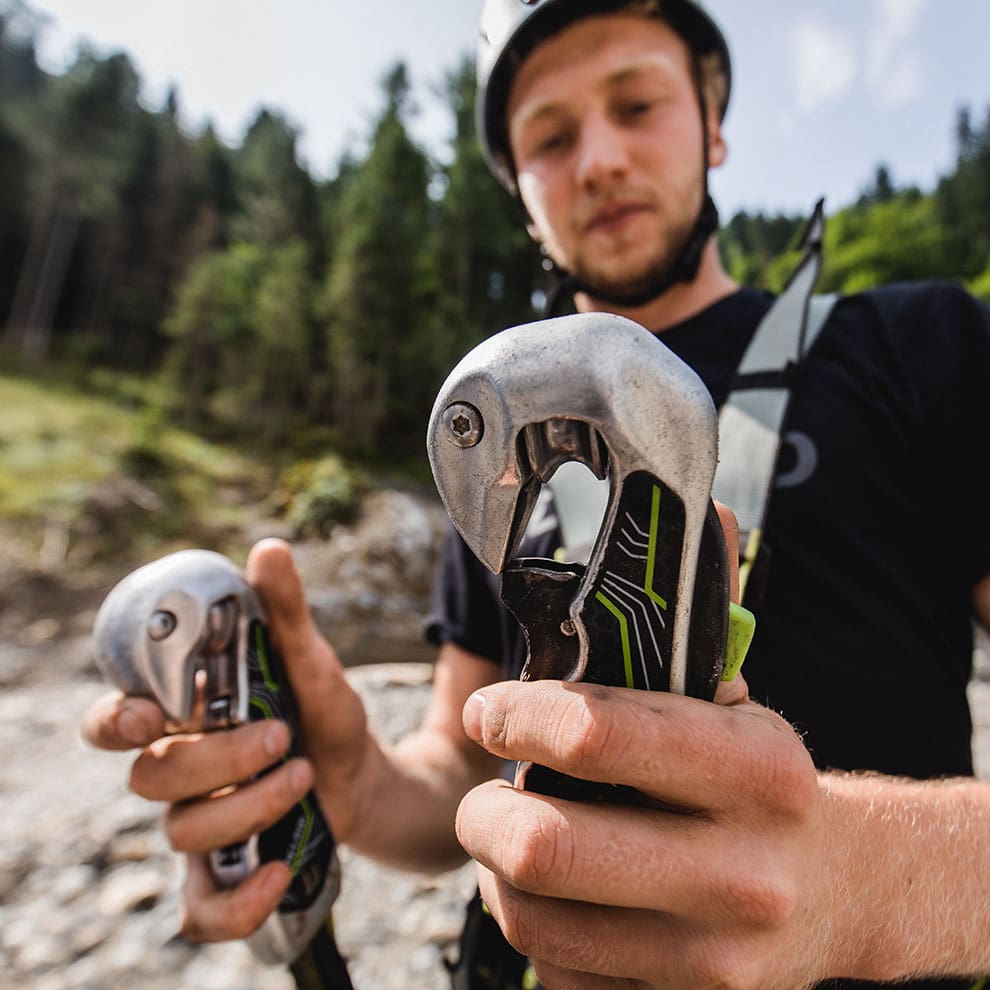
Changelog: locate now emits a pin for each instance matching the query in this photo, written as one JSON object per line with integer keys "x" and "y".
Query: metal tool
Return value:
{"x": 651, "y": 607}
{"x": 188, "y": 632}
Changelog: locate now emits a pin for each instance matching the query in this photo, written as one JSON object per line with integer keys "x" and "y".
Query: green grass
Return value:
{"x": 51, "y": 442}
{"x": 59, "y": 441}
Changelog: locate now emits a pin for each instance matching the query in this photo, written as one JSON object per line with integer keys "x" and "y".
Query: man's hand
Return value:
{"x": 715, "y": 880}
{"x": 211, "y": 781}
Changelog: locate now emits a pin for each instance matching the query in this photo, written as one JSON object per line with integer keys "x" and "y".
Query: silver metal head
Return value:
{"x": 175, "y": 630}
{"x": 595, "y": 388}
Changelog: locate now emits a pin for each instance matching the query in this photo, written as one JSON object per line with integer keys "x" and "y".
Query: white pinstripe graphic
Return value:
{"x": 632, "y": 597}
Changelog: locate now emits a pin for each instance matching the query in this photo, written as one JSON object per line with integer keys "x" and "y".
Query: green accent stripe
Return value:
{"x": 307, "y": 808}
{"x": 651, "y": 553}
{"x": 266, "y": 710}
{"x": 980, "y": 984}
{"x": 305, "y": 803}
{"x": 266, "y": 672}
{"x": 624, "y": 633}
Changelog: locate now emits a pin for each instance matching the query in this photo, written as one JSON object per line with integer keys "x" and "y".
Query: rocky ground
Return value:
{"x": 88, "y": 888}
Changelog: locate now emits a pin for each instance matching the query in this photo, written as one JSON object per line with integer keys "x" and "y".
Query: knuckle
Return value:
{"x": 247, "y": 757}
{"x": 784, "y": 776}
{"x": 176, "y": 826}
{"x": 540, "y": 851}
{"x": 144, "y": 775}
{"x": 588, "y": 734}
{"x": 721, "y": 966}
{"x": 495, "y": 729}
{"x": 518, "y": 926}
{"x": 237, "y": 923}
{"x": 759, "y": 901}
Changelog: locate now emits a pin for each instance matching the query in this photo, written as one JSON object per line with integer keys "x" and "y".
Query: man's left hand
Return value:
{"x": 718, "y": 878}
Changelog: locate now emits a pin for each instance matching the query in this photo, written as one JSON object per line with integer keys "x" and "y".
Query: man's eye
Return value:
{"x": 549, "y": 142}
{"x": 636, "y": 108}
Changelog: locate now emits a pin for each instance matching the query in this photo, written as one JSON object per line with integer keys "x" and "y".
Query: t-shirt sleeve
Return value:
{"x": 465, "y": 609}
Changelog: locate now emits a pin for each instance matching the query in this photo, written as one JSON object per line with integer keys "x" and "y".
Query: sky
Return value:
{"x": 823, "y": 91}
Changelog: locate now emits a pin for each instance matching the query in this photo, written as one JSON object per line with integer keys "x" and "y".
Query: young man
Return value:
{"x": 752, "y": 861}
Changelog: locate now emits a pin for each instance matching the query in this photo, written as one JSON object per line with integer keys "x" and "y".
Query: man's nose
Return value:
{"x": 602, "y": 156}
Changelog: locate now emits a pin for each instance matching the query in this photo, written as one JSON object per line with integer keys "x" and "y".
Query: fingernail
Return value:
{"x": 275, "y": 739}
{"x": 274, "y": 882}
{"x": 132, "y": 729}
{"x": 473, "y": 714}
{"x": 299, "y": 776}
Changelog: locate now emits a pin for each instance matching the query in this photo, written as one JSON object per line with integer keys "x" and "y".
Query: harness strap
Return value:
{"x": 751, "y": 419}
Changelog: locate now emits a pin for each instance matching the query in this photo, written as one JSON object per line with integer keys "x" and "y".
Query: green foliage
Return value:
{"x": 888, "y": 235}
{"x": 490, "y": 265}
{"x": 299, "y": 314}
{"x": 382, "y": 286}
{"x": 315, "y": 495}
{"x": 962, "y": 199}
{"x": 110, "y": 476}
{"x": 980, "y": 286}
{"x": 756, "y": 248}
{"x": 145, "y": 458}
{"x": 210, "y": 324}
{"x": 277, "y": 197}
{"x": 892, "y": 240}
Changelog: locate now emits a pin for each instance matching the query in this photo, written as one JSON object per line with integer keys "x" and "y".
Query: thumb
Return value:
{"x": 736, "y": 691}
{"x": 272, "y": 572}
{"x": 323, "y": 697}
{"x": 730, "y": 529}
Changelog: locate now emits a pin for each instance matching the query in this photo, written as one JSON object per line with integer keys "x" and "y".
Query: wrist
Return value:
{"x": 904, "y": 861}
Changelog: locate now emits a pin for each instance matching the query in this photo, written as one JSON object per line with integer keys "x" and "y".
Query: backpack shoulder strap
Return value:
{"x": 751, "y": 419}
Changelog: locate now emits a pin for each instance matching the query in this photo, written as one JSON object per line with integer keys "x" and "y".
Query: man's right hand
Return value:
{"x": 211, "y": 780}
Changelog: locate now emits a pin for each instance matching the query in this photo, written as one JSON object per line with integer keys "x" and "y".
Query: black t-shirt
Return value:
{"x": 863, "y": 640}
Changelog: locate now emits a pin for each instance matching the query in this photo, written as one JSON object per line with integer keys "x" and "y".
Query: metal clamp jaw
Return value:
{"x": 176, "y": 631}
{"x": 651, "y": 607}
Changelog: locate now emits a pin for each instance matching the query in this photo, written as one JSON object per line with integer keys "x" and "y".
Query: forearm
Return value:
{"x": 910, "y": 863}
{"x": 408, "y": 794}
{"x": 405, "y": 817}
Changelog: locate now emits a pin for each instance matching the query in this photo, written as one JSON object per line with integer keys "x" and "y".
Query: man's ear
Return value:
{"x": 527, "y": 220}
{"x": 718, "y": 150}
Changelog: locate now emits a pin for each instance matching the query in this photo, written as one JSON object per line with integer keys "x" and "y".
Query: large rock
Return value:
{"x": 369, "y": 584}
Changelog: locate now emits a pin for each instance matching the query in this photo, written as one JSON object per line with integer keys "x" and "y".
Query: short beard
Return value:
{"x": 635, "y": 290}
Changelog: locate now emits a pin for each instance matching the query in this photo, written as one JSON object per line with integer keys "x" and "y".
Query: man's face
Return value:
{"x": 606, "y": 135}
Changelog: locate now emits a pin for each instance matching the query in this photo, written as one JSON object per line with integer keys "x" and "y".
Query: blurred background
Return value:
{"x": 240, "y": 247}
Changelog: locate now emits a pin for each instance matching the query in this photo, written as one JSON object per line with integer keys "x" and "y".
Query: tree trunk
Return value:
{"x": 42, "y": 279}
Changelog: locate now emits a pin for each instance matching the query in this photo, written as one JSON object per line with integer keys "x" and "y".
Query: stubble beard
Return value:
{"x": 619, "y": 280}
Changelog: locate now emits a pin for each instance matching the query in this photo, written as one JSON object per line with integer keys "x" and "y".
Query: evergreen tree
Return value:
{"x": 82, "y": 159}
{"x": 758, "y": 249}
{"x": 491, "y": 267}
{"x": 212, "y": 327}
{"x": 381, "y": 298}
{"x": 277, "y": 196}
{"x": 963, "y": 200}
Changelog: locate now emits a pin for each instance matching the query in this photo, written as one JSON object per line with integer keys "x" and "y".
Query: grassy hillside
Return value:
{"x": 87, "y": 473}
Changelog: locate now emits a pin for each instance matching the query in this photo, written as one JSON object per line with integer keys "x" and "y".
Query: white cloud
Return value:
{"x": 825, "y": 63}
{"x": 895, "y": 67}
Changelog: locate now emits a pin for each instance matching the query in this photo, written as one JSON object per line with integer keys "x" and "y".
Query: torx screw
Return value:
{"x": 464, "y": 424}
